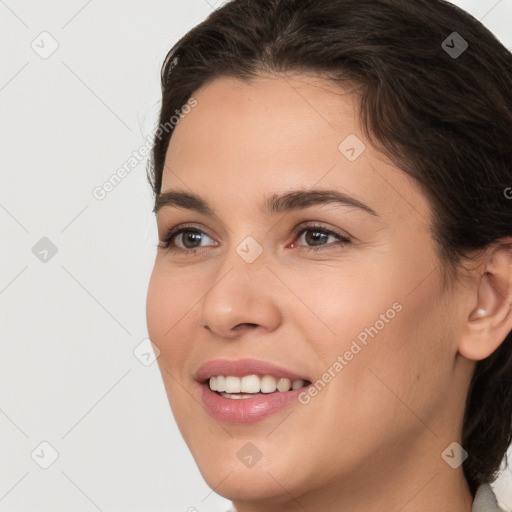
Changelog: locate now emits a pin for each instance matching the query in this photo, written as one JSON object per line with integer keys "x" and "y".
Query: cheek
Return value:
{"x": 167, "y": 306}
{"x": 346, "y": 304}
{"x": 169, "y": 301}
{"x": 387, "y": 325}
{"x": 405, "y": 364}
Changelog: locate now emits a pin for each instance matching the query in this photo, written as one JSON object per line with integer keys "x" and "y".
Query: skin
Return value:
{"x": 372, "y": 439}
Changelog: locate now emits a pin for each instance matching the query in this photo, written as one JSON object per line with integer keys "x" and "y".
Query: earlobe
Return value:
{"x": 490, "y": 319}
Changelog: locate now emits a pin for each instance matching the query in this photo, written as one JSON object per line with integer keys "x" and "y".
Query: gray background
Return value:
{"x": 72, "y": 320}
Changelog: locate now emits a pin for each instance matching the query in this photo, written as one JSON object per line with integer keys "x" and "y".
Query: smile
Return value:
{"x": 250, "y": 385}
{"x": 247, "y": 391}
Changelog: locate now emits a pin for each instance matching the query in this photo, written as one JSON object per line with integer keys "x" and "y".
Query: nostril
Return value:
{"x": 245, "y": 324}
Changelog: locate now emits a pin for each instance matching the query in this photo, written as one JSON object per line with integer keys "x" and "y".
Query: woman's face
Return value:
{"x": 364, "y": 320}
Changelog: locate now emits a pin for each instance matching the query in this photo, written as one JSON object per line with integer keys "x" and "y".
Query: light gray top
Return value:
{"x": 485, "y": 501}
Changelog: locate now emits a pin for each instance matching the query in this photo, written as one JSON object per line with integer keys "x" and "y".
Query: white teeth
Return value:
{"x": 232, "y": 385}
{"x": 268, "y": 384}
{"x": 284, "y": 384}
{"x": 237, "y": 396}
{"x": 221, "y": 383}
{"x": 250, "y": 384}
{"x": 236, "y": 387}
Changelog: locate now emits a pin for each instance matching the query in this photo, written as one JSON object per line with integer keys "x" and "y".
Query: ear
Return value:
{"x": 490, "y": 319}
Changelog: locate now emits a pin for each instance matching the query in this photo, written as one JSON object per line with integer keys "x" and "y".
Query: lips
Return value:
{"x": 224, "y": 408}
{"x": 243, "y": 367}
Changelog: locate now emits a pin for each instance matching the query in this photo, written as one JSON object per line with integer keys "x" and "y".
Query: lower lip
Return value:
{"x": 246, "y": 410}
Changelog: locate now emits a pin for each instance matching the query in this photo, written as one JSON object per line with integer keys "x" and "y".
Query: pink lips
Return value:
{"x": 245, "y": 410}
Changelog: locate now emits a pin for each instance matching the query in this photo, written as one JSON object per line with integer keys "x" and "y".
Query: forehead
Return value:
{"x": 246, "y": 137}
{"x": 272, "y": 105}
{"x": 268, "y": 125}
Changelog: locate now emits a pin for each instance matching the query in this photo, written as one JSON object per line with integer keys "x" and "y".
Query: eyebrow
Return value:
{"x": 287, "y": 202}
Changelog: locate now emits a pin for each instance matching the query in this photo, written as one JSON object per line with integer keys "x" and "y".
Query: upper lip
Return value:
{"x": 242, "y": 367}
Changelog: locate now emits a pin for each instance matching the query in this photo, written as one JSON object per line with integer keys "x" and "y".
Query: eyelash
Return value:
{"x": 297, "y": 232}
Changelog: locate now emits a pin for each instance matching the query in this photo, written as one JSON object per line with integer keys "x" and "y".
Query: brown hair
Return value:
{"x": 444, "y": 119}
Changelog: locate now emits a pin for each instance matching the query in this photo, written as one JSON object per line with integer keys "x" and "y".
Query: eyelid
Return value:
{"x": 311, "y": 225}
{"x": 172, "y": 233}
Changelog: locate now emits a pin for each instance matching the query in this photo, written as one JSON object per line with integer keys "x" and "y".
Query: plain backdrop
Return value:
{"x": 79, "y": 93}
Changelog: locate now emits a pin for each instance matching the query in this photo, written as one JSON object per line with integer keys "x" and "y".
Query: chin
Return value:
{"x": 236, "y": 469}
{"x": 244, "y": 484}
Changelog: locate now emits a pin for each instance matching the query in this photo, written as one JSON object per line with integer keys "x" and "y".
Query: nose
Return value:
{"x": 241, "y": 297}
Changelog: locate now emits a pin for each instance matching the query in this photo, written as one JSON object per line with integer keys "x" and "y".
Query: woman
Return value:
{"x": 332, "y": 290}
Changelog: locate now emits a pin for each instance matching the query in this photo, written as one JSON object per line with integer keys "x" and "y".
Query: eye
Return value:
{"x": 188, "y": 239}
{"x": 318, "y": 236}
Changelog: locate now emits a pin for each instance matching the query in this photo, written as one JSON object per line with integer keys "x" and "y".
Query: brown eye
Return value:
{"x": 318, "y": 237}
{"x": 189, "y": 239}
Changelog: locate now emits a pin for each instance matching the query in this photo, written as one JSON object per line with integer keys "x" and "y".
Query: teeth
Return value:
{"x": 284, "y": 384}
{"x": 236, "y": 396}
{"x": 252, "y": 384}
{"x": 268, "y": 384}
{"x": 221, "y": 383}
{"x": 297, "y": 384}
{"x": 232, "y": 385}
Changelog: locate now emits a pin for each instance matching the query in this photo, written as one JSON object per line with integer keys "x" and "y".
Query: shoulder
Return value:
{"x": 485, "y": 500}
